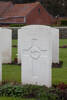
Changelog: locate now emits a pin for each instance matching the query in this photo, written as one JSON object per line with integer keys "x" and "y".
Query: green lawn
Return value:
{"x": 10, "y": 98}
{"x": 63, "y": 42}
{"x": 13, "y": 72}
{"x": 14, "y": 42}
{"x": 14, "y": 53}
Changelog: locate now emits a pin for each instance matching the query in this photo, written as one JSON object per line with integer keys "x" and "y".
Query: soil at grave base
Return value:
{"x": 54, "y": 65}
{"x": 57, "y": 65}
{"x": 15, "y": 46}
{"x": 15, "y": 62}
{"x": 64, "y": 46}
{"x": 4, "y": 82}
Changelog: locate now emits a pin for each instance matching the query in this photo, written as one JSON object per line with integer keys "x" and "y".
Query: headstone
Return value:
{"x": 36, "y": 55}
{"x": 5, "y": 44}
{"x": 55, "y": 45}
{"x": 19, "y": 47}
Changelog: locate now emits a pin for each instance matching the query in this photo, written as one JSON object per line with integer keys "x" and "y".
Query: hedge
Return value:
{"x": 31, "y": 91}
{"x": 64, "y": 22}
{"x": 17, "y": 25}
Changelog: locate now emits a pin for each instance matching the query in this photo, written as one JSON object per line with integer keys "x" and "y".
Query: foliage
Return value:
{"x": 17, "y": 25}
{"x": 64, "y": 22}
{"x": 31, "y": 91}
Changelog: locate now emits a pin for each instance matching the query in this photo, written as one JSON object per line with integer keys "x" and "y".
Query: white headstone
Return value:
{"x": 5, "y": 44}
{"x": 55, "y": 45}
{"x": 19, "y": 47}
{"x": 36, "y": 55}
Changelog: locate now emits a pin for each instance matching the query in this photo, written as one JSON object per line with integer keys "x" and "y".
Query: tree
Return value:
{"x": 54, "y": 7}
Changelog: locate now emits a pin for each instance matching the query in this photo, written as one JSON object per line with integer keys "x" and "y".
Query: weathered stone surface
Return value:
{"x": 36, "y": 54}
{"x": 55, "y": 45}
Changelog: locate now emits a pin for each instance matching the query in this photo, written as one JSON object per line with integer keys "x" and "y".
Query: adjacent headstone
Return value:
{"x": 5, "y": 44}
{"x": 55, "y": 45}
{"x": 36, "y": 54}
{"x": 19, "y": 47}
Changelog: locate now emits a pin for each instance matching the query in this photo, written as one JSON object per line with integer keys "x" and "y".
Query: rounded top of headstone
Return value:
{"x": 36, "y": 26}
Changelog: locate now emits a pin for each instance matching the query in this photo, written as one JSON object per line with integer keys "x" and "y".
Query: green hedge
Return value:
{"x": 30, "y": 91}
{"x": 17, "y": 25}
{"x": 64, "y": 22}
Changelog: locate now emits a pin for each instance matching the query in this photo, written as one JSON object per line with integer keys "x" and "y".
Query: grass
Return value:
{"x": 63, "y": 42}
{"x": 12, "y": 98}
{"x": 59, "y": 75}
{"x": 13, "y": 72}
{"x": 63, "y": 56}
{"x": 14, "y": 42}
{"x": 14, "y": 53}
